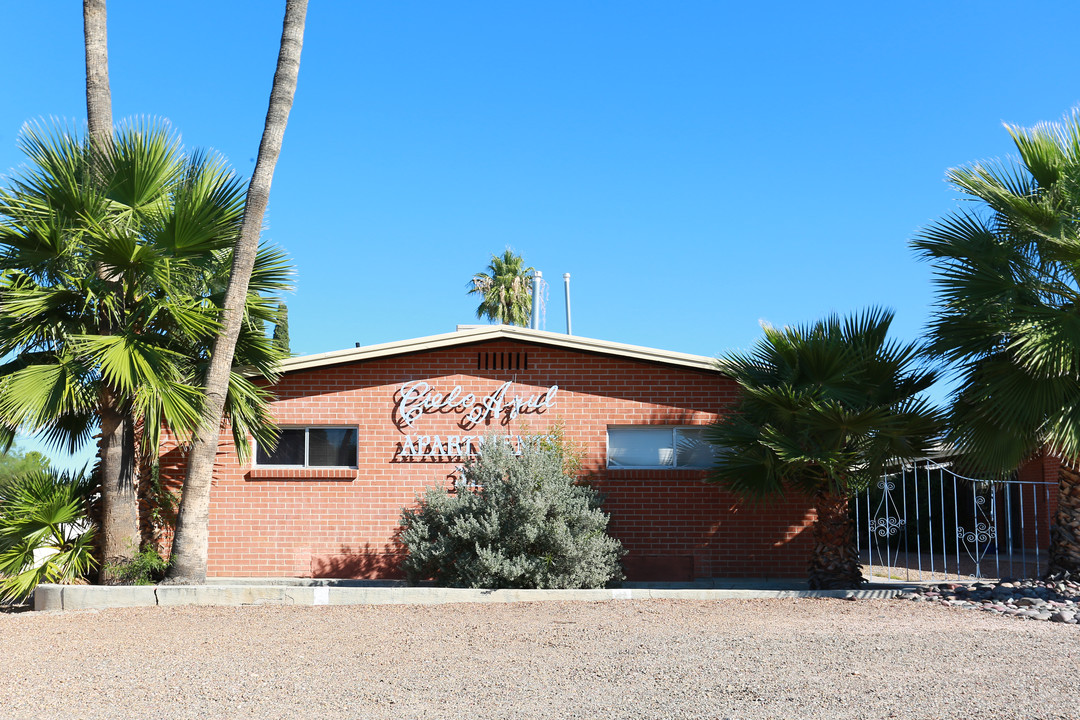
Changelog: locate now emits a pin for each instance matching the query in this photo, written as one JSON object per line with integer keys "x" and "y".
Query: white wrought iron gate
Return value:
{"x": 926, "y": 522}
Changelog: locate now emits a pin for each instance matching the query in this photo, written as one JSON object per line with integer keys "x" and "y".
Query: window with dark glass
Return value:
{"x": 312, "y": 447}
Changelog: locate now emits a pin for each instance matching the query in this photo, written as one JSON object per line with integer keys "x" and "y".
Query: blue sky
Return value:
{"x": 696, "y": 166}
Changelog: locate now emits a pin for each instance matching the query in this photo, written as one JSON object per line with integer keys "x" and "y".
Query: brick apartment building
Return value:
{"x": 365, "y": 431}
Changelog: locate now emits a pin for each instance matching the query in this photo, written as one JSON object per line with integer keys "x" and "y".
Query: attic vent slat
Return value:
{"x": 502, "y": 361}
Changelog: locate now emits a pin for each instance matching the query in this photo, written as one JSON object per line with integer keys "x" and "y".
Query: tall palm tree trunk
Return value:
{"x": 120, "y": 504}
{"x": 119, "y": 516}
{"x": 98, "y": 94}
{"x": 1065, "y": 534}
{"x": 190, "y": 545}
{"x": 834, "y": 563}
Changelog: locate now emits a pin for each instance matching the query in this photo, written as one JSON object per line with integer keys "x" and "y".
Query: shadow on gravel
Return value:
{"x": 8, "y": 609}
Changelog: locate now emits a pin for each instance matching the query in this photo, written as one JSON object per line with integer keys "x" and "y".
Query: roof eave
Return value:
{"x": 498, "y": 332}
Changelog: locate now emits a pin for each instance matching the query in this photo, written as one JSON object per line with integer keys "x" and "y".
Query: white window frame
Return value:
{"x": 674, "y": 447}
{"x": 307, "y": 449}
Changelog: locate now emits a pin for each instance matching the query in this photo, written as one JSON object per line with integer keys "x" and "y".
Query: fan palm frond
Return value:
{"x": 822, "y": 410}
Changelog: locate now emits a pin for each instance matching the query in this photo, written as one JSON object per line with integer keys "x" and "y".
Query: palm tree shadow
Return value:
{"x": 367, "y": 563}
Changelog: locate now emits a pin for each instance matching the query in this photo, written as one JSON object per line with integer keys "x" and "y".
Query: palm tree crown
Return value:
{"x": 506, "y": 290}
{"x": 1008, "y": 313}
{"x": 823, "y": 409}
{"x": 113, "y": 264}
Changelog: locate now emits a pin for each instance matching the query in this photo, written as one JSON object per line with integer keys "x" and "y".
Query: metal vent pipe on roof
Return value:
{"x": 537, "y": 279}
{"x": 566, "y": 282}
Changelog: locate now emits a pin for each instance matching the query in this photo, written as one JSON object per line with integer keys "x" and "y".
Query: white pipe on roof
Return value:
{"x": 566, "y": 282}
{"x": 537, "y": 279}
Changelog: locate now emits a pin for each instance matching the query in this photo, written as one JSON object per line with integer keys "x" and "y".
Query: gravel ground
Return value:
{"x": 806, "y": 658}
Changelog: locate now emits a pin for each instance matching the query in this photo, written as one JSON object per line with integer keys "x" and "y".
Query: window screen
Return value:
{"x": 289, "y": 450}
{"x": 331, "y": 447}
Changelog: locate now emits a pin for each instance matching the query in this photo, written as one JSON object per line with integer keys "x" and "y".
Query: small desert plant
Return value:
{"x": 145, "y": 568}
{"x": 514, "y": 521}
{"x": 44, "y": 532}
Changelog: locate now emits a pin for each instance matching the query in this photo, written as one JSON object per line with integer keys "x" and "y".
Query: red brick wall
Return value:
{"x": 341, "y": 523}
{"x": 1039, "y": 502}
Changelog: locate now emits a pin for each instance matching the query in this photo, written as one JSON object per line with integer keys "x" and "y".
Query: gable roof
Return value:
{"x": 469, "y": 334}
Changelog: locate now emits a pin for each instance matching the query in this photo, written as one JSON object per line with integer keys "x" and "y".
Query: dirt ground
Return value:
{"x": 805, "y": 658}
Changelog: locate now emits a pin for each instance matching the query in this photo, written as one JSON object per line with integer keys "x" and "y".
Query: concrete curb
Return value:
{"x": 88, "y": 597}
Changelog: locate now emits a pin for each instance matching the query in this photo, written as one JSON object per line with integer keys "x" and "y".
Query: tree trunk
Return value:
{"x": 834, "y": 564}
{"x": 1065, "y": 532}
{"x": 119, "y": 515}
{"x": 98, "y": 95}
{"x": 190, "y": 545}
{"x": 116, "y": 448}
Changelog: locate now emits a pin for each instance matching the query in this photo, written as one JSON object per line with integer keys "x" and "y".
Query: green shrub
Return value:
{"x": 146, "y": 568}
{"x": 513, "y": 521}
{"x": 15, "y": 463}
{"x": 44, "y": 512}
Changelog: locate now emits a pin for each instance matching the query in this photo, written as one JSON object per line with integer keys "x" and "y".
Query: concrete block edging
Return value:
{"x": 88, "y": 597}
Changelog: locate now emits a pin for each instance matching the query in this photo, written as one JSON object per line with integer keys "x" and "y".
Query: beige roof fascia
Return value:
{"x": 468, "y": 335}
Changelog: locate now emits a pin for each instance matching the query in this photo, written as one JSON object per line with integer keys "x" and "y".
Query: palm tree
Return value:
{"x": 111, "y": 283}
{"x": 823, "y": 410}
{"x": 191, "y": 542}
{"x": 505, "y": 289}
{"x": 44, "y": 532}
{"x": 1008, "y": 314}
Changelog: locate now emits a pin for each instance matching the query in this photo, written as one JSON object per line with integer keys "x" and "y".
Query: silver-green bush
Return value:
{"x": 513, "y": 521}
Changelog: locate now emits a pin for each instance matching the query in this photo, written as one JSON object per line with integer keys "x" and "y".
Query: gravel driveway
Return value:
{"x": 806, "y": 658}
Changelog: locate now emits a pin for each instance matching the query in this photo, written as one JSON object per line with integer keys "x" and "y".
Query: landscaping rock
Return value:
{"x": 1055, "y": 599}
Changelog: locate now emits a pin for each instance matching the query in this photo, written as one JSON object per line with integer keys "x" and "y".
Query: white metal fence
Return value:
{"x": 927, "y": 523}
